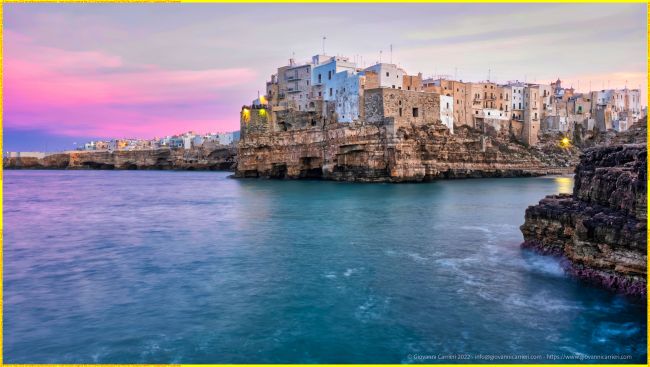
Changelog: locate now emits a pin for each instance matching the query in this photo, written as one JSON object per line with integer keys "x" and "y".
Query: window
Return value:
{"x": 393, "y": 86}
{"x": 400, "y": 111}
{"x": 319, "y": 79}
{"x": 329, "y": 75}
{"x": 387, "y": 74}
{"x": 330, "y": 92}
{"x": 400, "y": 103}
{"x": 416, "y": 112}
{"x": 447, "y": 105}
{"x": 476, "y": 112}
{"x": 320, "y": 94}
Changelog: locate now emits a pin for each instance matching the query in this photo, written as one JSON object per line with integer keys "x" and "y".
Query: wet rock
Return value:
{"x": 600, "y": 230}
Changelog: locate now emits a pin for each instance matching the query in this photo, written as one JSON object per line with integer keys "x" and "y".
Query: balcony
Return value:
{"x": 293, "y": 78}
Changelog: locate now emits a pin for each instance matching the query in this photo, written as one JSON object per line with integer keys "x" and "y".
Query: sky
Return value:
{"x": 77, "y": 72}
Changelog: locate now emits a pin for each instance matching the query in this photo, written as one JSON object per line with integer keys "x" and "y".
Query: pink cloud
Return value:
{"x": 92, "y": 93}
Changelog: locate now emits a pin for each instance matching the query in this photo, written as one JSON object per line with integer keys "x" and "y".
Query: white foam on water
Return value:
{"x": 542, "y": 302}
{"x": 330, "y": 275}
{"x": 546, "y": 265}
{"x": 607, "y": 330}
{"x": 417, "y": 257}
{"x": 350, "y": 271}
{"x": 476, "y": 228}
{"x": 373, "y": 308}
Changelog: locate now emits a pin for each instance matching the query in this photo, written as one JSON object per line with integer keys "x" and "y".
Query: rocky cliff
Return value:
{"x": 377, "y": 153}
{"x": 219, "y": 158}
{"x": 600, "y": 230}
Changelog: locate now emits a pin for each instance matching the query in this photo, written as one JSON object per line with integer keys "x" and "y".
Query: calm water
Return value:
{"x": 194, "y": 267}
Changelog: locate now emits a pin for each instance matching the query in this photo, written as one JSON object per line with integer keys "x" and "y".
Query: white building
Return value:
{"x": 348, "y": 87}
{"x": 296, "y": 85}
{"x": 447, "y": 112}
{"x": 323, "y": 75}
{"x": 225, "y": 138}
{"x": 390, "y": 76}
{"x": 516, "y": 90}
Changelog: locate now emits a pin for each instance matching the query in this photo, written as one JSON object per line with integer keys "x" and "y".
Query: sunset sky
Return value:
{"x": 76, "y": 72}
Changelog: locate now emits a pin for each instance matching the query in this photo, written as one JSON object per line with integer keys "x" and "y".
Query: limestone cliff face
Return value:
{"x": 601, "y": 229}
{"x": 220, "y": 158}
{"x": 382, "y": 153}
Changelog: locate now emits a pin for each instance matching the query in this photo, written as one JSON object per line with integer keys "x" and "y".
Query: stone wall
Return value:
{"x": 404, "y": 107}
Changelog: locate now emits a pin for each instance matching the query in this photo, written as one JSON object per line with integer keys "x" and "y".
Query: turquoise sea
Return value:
{"x": 195, "y": 267}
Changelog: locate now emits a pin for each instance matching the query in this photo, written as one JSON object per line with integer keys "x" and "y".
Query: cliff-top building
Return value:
{"x": 334, "y": 90}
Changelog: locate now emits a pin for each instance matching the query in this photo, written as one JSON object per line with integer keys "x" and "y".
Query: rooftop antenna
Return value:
{"x": 488, "y": 79}
{"x": 391, "y": 53}
{"x": 324, "y": 38}
{"x": 380, "y": 52}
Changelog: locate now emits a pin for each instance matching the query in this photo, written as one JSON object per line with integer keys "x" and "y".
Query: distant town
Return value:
{"x": 336, "y": 89}
{"x": 186, "y": 140}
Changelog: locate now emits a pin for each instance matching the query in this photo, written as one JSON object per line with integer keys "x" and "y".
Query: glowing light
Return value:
{"x": 565, "y": 142}
{"x": 246, "y": 114}
{"x": 262, "y": 112}
{"x": 263, "y": 100}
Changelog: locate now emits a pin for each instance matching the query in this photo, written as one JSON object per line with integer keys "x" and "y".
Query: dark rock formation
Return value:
{"x": 601, "y": 229}
{"x": 377, "y": 153}
{"x": 219, "y": 158}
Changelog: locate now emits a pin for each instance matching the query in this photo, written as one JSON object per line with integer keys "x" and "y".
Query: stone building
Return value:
{"x": 532, "y": 103}
{"x": 399, "y": 107}
{"x": 334, "y": 90}
{"x": 458, "y": 91}
{"x": 412, "y": 82}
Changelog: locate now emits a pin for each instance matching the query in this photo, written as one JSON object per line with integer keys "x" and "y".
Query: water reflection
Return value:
{"x": 564, "y": 184}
